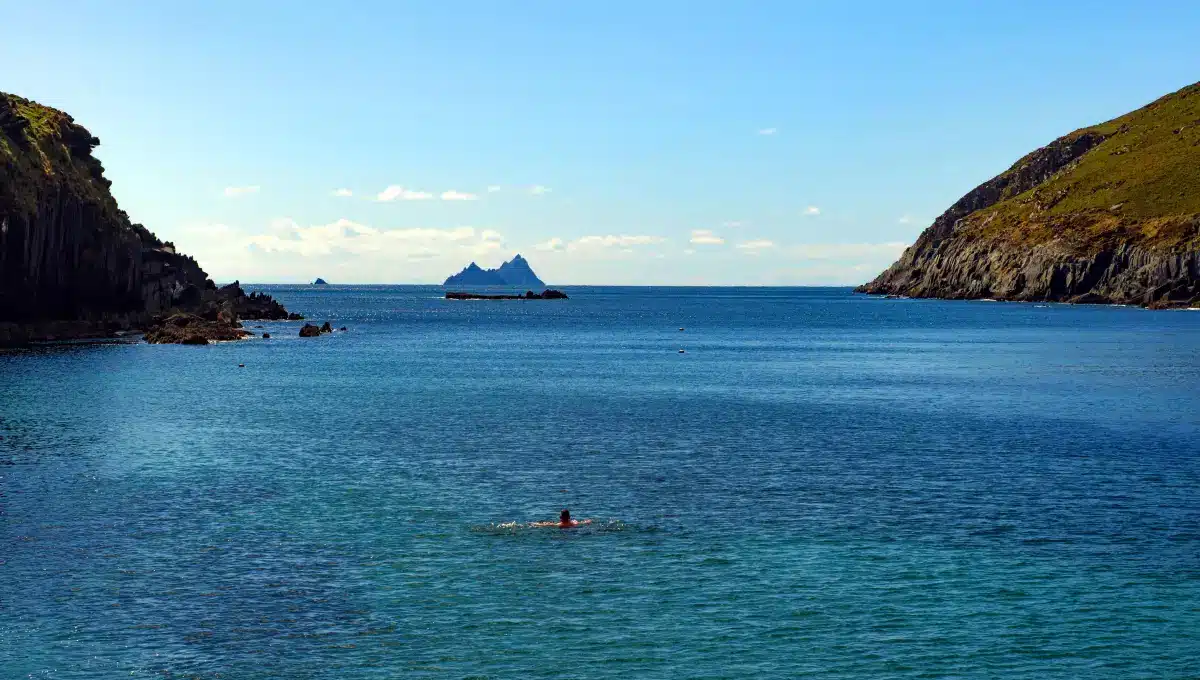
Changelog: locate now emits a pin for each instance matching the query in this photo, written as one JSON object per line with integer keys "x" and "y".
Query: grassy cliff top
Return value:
{"x": 1140, "y": 185}
{"x": 43, "y": 148}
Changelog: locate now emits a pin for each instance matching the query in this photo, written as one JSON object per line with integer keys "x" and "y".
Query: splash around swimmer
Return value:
{"x": 564, "y": 521}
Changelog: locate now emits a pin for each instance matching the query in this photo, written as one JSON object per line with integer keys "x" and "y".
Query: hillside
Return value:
{"x": 72, "y": 264}
{"x": 1108, "y": 213}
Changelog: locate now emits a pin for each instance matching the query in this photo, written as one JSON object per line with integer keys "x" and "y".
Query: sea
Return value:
{"x": 782, "y": 483}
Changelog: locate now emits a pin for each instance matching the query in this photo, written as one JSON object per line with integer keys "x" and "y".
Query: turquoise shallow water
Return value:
{"x": 824, "y": 485}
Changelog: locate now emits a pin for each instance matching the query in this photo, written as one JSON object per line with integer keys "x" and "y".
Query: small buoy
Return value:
{"x": 681, "y": 328}
{"x": 241, "y": 365}
{"x": 681, "y": 352}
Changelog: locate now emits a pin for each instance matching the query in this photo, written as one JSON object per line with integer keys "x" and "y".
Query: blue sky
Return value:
{"x": 617, "y": 142}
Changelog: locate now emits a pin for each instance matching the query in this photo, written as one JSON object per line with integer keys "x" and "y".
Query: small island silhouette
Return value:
{"x": 513, "y": 275}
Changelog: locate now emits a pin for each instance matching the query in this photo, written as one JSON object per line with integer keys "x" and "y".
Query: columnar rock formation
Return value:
{"x": 72, "y": 264}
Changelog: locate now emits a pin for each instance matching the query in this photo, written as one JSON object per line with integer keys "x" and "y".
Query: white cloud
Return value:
{"x": 234, "y": 192}
{"x": 704, "y": 237}
{"x": 689, "y": 251}
{"x": 623, "y": 241}
{"x": 538, "y": 190}
{"x": 493, "y": 188}
{"x": 767, "y": 131}
{"x": 812, "y": 210}
{"x": 734, "y": 224}
{"x": 909, "y": 219}
{"x": 847, "y": 251}
{"x": 453, "y": 195}
{"x": 756, "y": 245}
{"x": 343, "y": 193}
{"x": 397, "y": 192}
{"x": 553, "y": 244}
{"x": 286, "y": 250}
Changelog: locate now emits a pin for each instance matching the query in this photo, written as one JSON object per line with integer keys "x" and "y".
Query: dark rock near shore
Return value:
{"x": 320, "y": 282}
{"x": 326, "y": 328}
{"x": 190, "y": 329}
{"x": 266, "y": 336}
{"x": 310, "y": 331}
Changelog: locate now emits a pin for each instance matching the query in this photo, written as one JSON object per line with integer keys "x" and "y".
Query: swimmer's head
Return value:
{"x": 564, "y": 516}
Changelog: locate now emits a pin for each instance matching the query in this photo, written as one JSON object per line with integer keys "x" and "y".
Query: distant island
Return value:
{"x": 516, "y": 273}
{"x": 1109, "y": 214}
{"x": 320, "y": 282}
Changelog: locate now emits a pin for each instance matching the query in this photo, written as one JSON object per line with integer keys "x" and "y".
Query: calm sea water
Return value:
{"x": 823, "y": 485}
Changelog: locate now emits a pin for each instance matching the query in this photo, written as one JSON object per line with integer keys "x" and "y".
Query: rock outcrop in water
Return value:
{"x": 548, "y": 294}
{"x": 72, "y": 264}
{"x": 516, "y": 273}
{"x": 1106, "y": 214}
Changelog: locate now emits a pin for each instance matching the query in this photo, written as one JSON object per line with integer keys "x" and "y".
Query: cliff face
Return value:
{"x": 1109, "y": 213}
{"x": 71, "y": 262}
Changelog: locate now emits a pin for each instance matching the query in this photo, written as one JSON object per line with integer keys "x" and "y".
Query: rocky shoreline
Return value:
{"x": 1125, "y": 275}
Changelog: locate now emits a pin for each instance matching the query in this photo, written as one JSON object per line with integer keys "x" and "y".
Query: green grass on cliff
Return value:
{"x": 1141, "y": 185}
{"x": 42, "y": 147}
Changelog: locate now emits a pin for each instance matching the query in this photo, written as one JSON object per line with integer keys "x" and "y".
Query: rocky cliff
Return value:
{"x": 72, "y": 264}
{"x": 1106, "y": 214}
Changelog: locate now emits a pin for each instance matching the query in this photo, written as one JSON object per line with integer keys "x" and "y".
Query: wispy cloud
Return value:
{"x": 493, "y": 188}
{"x": 610, "y": 241}
{"x": 753, "y": 247}
{"x": 689, "y": 251}
{"x": 344, "y": 193}
{"x": 847, "y": 251}
{"x": 909, "y": 219}
{"x": 234, "y": 192}
{"x": 538, "y": 190}
{"x": 554, "y": 244}
{"x": 812, "y": 210}
{"x": 767, "y": 131}
{"x": 398, "y": 193}
{"x": 734, "y": 224}
{"x": 704, "y": 237}
{"x": 453, "y": 195}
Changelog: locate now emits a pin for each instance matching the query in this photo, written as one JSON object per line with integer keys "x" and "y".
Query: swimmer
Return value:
{"x": 564, "y": 521}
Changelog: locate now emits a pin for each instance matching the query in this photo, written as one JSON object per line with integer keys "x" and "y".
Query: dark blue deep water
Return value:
{"x": 823, "y": 485}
